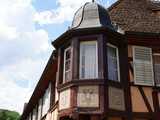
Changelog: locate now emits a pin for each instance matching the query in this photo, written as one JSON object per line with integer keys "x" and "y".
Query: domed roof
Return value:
{"x": 91, "y": 15}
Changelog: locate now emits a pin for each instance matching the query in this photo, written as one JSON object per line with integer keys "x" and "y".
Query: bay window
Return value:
{"x": 113, "y": 63}
{"x": 143, "y": 67}
{"x": 156, "y": 58}
{"x": 67, "y": 65}
{"x": 88, "y": 68}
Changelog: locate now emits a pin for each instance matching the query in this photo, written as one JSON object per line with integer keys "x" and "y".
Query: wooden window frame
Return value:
{"x": 118, "y": 64}
{"x": 64, "y": 61}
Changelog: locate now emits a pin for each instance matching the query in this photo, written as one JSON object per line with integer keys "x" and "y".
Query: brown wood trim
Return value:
{"x": 88, "y": 37}
{"x": 75, "y": 58}
{"x": 155, "y": 101}
{"x": 105, "y": 85}
{"x": 60, "y": 67}
{"x": 101, "y": 53}
{"x": 145, "y": 99}
{"x": 65, "y": 112}
{"x": 79, "y": 82}
{"x": 126, "y": 81}
{"x": 131, "y": 68}
{"x": 130, "y": 59}
{"x": 136, "y": 85}
{"x": 117, "y": 113}
{"x": 54, "y": 107}
{"x": 143, "y": 115}
{"x": 116, "y": 84}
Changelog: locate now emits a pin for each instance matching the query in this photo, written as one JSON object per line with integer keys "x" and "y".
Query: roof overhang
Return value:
{"x": 48, "y": 73}
{"x": 84, "y": 31}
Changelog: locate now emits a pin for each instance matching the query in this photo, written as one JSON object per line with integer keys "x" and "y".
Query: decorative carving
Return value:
{"x": 64, "y": 101}
{"x": 88, "y": 96}
{"x": 116, "y": 99}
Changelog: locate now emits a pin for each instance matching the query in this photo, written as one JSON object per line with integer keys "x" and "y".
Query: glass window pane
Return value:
{"x": 112, "y": 59}
{"x": 39, "y": 109}
{"x": 34, "y": 114}
{"x": 67, "y": 65}
{"x": 46, "y": 101}
{"x": 88, "y": 60}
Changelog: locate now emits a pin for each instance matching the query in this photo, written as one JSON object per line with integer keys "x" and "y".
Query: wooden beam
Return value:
{"x": 155, "y": 101}
{"x": 145, "y": 99}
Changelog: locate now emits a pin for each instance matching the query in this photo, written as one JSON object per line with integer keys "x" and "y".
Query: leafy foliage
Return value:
{"x": 9, "y": 115}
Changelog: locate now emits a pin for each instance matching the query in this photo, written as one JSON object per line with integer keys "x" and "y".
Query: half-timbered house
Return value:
{"x": 106, "y": 66}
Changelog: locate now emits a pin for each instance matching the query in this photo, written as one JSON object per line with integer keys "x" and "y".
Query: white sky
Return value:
{"x": 24, "y": 49}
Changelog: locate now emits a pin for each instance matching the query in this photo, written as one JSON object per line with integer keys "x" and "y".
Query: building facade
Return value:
{"x": 105, "y": 67}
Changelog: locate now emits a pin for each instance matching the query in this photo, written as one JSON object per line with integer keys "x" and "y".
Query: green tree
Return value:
{"x": 9, "y": 115}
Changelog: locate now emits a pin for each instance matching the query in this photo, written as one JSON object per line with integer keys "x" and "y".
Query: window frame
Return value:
{"x": 34, "y": 114}
{"x": 118, "y": 64}
{"x": 39, "y": 109}
{"x": 135, "y": 81}
{"x": 80, "y": 66}
{"x": 64, "y": 66}
{"x": 155, "y": 82}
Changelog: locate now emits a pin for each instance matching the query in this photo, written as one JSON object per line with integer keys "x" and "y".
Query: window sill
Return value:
{"x": 77, "y": 82}
{"x": 145, "y": 85}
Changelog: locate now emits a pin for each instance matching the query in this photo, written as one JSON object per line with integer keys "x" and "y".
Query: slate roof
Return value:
{"x": 91, "y": 15}
{"x": 136, "y": 15}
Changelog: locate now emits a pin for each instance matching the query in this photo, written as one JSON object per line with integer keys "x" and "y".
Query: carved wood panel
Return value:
{"x": 116, "y": 99}
{"x": 64, "y": 101}
{"x": 88, "y": 96}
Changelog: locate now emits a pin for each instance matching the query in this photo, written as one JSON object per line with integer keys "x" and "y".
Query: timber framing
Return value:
{"x": 115, "y": 99}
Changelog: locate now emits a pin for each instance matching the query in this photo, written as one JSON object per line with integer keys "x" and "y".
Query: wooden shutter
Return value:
{"x": 143, "y": 67}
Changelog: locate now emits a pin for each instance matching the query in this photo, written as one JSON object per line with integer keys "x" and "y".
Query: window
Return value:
{"x": 143, "y": 67}
{"x": 156, "y": 58}
{"x": 113, "y": 63}
{"x": 34, "y": 114}
{"x": 88, "y": 60}
{"x": 46, "y": 101}
{"x": 30, "y": 116}
{"x": 39, "y": 109}
{"x": 67, "y": 65}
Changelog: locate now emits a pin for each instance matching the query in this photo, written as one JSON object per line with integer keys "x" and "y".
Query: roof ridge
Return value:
{"x": 114, "y": 4}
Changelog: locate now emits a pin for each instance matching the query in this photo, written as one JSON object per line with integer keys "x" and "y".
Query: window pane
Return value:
{"x": 39, "y": 109}
{"x": 34, "y": 114}
{"x": 88, "y": 60}
{"x": 67, "y": 65}
{"x": 112, "y": 56}
{"x": 30, "y": 116}
{"x": 46, "y": 101}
